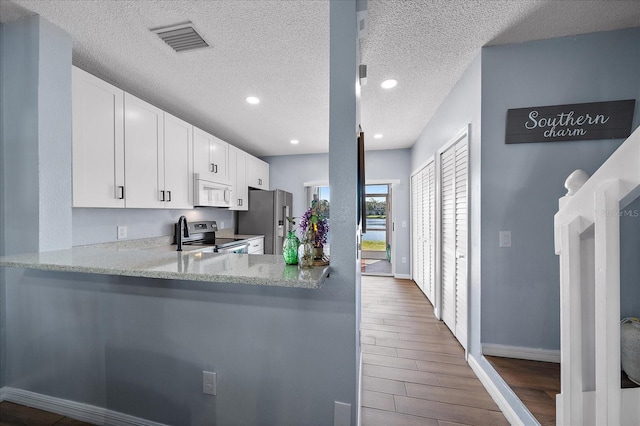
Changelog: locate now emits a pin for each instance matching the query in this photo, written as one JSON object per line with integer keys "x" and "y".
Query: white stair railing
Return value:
{"x": 587, "y": 239}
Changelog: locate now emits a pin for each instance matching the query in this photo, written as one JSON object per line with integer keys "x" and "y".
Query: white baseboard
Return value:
{"x": 75, "y": 410}
{"x": 402, "y": 276}
{"x": 533, "y": 354}
{"x": 498, "y": 398}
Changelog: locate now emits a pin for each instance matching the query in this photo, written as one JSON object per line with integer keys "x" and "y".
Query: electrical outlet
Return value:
{"x": 505, "y": 238}
{"x": 221, "y": 225}
{"x": 122, "y": 232}
{"x": 209, "y": 383}
{"x": 404, "y": 260}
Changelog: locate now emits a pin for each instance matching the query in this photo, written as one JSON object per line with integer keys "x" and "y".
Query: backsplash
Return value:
{"x": 93, "y": 226}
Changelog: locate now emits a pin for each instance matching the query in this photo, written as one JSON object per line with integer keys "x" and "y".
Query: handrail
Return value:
{"x": 587, "y": 239}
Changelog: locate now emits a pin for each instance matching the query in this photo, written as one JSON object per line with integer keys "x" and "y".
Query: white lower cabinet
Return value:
{"x": 238, "y": 177}
{"x": 256, "y": 246}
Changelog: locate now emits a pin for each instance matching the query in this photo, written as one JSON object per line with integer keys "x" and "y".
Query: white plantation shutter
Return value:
{"x": 454, "y": 231}
{"x": 423, "y": 225}
{"x": 462, "y": 179}
{"x": 414, "y": 226}
{"x": 419, "y": 232}
{"x": 447, "y": 217}
{"x": 429, "y": 235}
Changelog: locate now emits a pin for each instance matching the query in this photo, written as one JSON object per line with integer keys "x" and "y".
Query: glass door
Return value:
{"x": 376, "y": 242}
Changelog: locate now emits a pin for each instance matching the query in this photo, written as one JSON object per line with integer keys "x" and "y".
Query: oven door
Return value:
{"x": 211, "y": 194}
{"x": 242, "y": 248}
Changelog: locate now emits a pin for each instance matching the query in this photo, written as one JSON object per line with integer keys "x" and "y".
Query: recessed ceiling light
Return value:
{"x": 389, "y": 84}
{"x": 253, "y": 100}
{"x": 377, "y": 136}
{"x": 295, "y": 141}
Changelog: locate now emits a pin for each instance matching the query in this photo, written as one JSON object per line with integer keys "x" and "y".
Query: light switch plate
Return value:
{"x": 505, "y": 238}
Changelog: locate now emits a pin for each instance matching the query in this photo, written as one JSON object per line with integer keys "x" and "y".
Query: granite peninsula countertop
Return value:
{"x": 163, "y": 261}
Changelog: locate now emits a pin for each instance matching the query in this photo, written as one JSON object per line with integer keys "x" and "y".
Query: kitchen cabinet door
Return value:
{"x": 98, "y": 142}
{"x": 177, "y": 190}
{"x": 210, "y": 155}
{"x": 257, "y": 173}
{"x": 144, "y": 154}
{"x": 237, "y": 173}
{"x": 256, "y": 246}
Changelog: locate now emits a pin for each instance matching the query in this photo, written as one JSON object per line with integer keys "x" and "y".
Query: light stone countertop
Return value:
{"x": 164, "y": 262}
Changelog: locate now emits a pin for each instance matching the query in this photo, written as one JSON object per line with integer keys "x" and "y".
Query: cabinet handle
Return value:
{"x": 161, "y": 195}
{"x": 168, "y": 196}
{"x": 215, "y": 168}
{"x": 212, "y": 168}
{"x": 120, "y": 193}
{"x": 259, "y": 181}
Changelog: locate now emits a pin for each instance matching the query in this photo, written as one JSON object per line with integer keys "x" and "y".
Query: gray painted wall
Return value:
{"x": 35, "y": 60}
{"x": 290, "y": 172}
{"x": 521, "y": 183}
{"x": 344, "y": 282}
{"x": 139, "y": 346}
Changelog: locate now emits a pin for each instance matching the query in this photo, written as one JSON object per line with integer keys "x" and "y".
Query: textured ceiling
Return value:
{"x": 278, "y": 51}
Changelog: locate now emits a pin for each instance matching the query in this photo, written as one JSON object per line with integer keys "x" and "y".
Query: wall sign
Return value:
{"x": 575, "y": 122}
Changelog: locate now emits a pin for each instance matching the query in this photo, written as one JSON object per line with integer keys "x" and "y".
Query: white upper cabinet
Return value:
{"x": 144, "y": 153}
{"x": 98, "y": 142}
{"x": 257, "y": 173}
{"x": 210, "y": 155}
{"x": 177, "y": 190}
{"x": 238, "y": 175}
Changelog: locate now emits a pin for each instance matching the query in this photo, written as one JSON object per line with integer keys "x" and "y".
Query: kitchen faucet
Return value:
{"x": 182, "y": 230}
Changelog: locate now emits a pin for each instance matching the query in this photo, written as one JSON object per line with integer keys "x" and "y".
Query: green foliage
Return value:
{"x": 374, "y": 245}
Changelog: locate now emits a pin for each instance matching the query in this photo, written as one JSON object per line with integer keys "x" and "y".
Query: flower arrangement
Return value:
{"x": 314, "y": 222}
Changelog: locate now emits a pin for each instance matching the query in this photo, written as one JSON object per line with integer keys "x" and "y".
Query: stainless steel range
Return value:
{"x": 204, "y": 234}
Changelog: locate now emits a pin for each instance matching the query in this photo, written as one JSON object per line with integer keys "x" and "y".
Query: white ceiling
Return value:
{"x": 278, "y": 50}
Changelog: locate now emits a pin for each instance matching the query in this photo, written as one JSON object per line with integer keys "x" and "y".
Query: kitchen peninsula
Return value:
{"x": 166, "y": 263}
{"x": 140, "y": 325}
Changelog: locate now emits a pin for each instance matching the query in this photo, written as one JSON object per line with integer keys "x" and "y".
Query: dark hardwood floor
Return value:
{"x": 18, "y": 415}
{"x": 535, "y": 383}
{"x": 414, "y": 371}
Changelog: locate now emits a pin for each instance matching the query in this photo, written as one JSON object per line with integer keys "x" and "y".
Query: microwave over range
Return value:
{"x": 210, "y": 192}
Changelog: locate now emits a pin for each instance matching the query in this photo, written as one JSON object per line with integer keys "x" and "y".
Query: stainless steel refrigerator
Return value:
{"x": 267, "y": 216}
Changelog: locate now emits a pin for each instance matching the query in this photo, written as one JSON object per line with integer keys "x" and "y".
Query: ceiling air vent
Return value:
{"x": 181, "y": 37}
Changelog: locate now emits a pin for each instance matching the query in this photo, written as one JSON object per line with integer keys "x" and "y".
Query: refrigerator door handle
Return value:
{"x": 287, "y": 225}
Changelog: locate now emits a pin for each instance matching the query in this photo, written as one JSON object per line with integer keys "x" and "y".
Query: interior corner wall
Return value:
{"x": 521, "y": 183}
{"x": 345, "y": 277}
